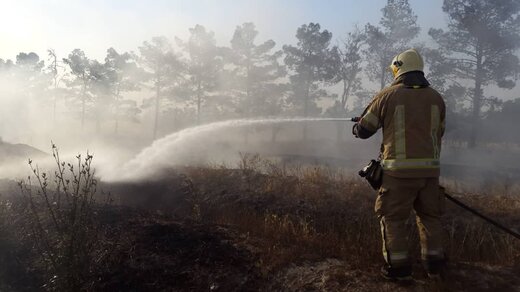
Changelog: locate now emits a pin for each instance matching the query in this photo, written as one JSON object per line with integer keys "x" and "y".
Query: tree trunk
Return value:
{"x": 198, "y": 102}
{"x": 157, "y": 100}
{"x": 246, "y": 135}
{"x": 55, "y": 79}
{"x": 275, "y": 129}
{"x": 340, "y": 126}
{"x": 247, "y": 110}
{"x": 383, "y": 74}
{"x": 306, "y": 109}
{"x": 477, "y": 101}
{"x": 54, "y": 107}
{"x": 475, "y": 125}
{"x": 116, "y": 124}
{"x": 345, "y": 94}
{"x": 55, "y": 100}
{"x": 340, "y": 131}
{"x": 98, "y": 122}
{"x": 116, "y": 110}
{"x": 83, "y": 100}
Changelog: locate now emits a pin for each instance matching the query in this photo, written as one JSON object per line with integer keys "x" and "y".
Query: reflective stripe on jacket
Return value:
{"x": 412, "y": 116}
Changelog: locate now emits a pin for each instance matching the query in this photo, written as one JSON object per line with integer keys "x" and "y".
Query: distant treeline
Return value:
{"x": 193, "y": 81}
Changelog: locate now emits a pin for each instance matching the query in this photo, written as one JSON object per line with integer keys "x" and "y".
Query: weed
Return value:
{"x": 58, "y": 217}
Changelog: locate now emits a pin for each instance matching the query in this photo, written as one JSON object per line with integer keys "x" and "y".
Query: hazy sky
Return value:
{"x": 95, "y": 25}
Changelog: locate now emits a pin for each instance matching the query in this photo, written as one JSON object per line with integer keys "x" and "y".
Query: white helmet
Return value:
{"x": 407, "y": 61}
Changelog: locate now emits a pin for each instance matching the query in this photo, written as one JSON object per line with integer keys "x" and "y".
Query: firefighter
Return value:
{"x": 412, "y": 115}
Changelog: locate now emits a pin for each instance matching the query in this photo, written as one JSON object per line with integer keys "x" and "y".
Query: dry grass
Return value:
{"x": 314, "y": 212}
{"x": 270, "y": 216}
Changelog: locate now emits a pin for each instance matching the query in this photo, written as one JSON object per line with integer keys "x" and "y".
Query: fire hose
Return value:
{"x": 482, "y": 216}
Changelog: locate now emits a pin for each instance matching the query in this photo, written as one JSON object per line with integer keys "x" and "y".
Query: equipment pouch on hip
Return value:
{"x": 373, "y": 173}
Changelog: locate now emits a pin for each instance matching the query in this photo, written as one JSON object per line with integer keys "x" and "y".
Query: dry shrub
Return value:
{"x": 57, "y": 219}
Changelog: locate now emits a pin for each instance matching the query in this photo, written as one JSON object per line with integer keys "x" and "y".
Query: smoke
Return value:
{"x": 123, "y": 145}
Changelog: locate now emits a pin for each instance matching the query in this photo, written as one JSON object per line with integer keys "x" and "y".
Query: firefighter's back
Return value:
{"x": 413, "y": 124}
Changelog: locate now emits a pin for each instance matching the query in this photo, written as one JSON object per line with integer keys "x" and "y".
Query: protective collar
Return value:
{"x": 413, "y": 79}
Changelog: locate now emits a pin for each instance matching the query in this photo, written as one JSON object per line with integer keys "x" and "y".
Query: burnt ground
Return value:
{"x": 160, "y": 253}
{"x": 208, "y": 231}
{"x": 211, "y": 252}
{"x": 156, "y": 253}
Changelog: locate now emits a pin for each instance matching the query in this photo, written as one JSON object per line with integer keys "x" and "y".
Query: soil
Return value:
{"x": 160, "y": 253}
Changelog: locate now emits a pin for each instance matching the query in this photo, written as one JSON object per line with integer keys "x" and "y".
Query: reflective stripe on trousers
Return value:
{"x": 392, "y": 257}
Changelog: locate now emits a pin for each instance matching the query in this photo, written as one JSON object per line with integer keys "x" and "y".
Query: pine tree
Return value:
{"x": 79, "y": 66}
{"x": 56, "y": 71}
{"x": 256, "y": 72}
{"x": 479, "y": 45}
{"x": 349, "y": 75}
{"x": 398, "y": 27}
{"x": 313, "y": 62}
{"x": 203, "y": 64}
{"x": 125, "y": 76}
{"x": 163, "y": 67}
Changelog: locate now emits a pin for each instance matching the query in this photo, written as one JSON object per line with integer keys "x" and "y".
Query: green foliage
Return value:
{"x": 312, "y": 62}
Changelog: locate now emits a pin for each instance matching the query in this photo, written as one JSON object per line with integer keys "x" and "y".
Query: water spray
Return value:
{"x": 355, "y": 120}
{"x": 174, "y": 148}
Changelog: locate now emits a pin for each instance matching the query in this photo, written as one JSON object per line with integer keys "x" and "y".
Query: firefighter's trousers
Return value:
{"x": 396, "y": 199}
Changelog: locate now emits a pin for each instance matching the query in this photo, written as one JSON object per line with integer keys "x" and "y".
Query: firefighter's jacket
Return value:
{"x": 412, "y": 116}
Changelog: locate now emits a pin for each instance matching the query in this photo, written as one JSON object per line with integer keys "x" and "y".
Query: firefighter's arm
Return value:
{"x": 370, "y": 121}
{"x": 360, "y": 132}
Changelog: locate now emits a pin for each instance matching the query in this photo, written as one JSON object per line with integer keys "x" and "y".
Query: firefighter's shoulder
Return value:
{"x": 388, "y": 91}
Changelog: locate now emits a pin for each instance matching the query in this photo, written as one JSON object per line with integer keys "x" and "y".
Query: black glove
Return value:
{"x": 354, "y": 130}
